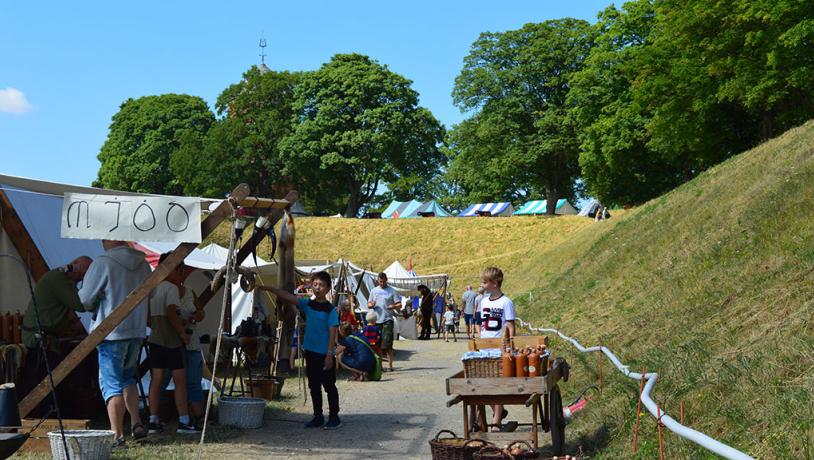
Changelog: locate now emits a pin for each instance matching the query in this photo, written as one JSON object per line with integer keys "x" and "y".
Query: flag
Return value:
{"x": 410, "y": 263}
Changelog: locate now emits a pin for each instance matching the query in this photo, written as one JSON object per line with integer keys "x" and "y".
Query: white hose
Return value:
{"x": 651, "y": 378}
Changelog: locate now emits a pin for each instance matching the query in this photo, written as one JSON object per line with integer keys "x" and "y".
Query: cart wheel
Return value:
{"x": 557, "y": 423}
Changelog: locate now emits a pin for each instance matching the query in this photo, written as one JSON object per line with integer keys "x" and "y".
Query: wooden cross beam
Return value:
{"x": 130, "y": 303}
{"x": 21, "y": 239}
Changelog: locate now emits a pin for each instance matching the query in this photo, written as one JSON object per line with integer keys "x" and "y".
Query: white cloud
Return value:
{"x": 12, "y": 100}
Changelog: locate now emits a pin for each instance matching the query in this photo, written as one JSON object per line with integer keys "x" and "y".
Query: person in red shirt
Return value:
{"x": 346, "y": 315}
{"x": 372, "y": 332}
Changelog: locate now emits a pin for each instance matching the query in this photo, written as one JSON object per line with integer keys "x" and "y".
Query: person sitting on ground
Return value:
{"x": 372, "y": 332}
{"x": 322, "y": 322}
{"x": 109, "y": 280}
{"x": 498, "y": 317}
{"x": 167, "y": 342}
{"x": 354, "y": 353}
{"x": 449, "y": 323}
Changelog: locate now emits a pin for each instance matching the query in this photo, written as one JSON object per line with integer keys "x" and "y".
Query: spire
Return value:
{"x": 263, "y": 67}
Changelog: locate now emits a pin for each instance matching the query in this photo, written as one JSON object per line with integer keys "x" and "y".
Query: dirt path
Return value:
{"x": 394, "y": 418}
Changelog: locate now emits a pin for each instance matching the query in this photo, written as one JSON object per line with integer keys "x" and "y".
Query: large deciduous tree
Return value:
{"x": 515, "y": 84}
{"x": 359, "y": 126}
{"x": 144, "y": 134}
{"x": 255, "y": 115}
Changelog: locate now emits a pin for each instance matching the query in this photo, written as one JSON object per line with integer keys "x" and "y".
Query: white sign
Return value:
{"x": 170, "y": 219}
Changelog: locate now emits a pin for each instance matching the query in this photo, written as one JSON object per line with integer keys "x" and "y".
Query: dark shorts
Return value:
{"x": 450, "y": 327}
{"x": 478, "y": 319}
{"x": 166, "y": 358}
{"x": 387, "y": 335}
{"x": 468, "y": 319}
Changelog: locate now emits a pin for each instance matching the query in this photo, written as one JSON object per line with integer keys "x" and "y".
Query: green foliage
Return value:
{"x": 359, "y": 126}
{"x": 144, "y": 134}
{"x": 256, "y": 114}
{"x": 520, "y": 140}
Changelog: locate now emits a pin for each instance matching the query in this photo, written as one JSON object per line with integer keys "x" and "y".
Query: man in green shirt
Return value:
{"x": 57, "y": 299}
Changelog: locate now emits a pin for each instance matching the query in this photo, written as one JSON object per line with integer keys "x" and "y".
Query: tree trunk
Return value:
{"x": 353, "y": 202}
{"x": 767, "y": 126}
{"x": 552, "y": 194}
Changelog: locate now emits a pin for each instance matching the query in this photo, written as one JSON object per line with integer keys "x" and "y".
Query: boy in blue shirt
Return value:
{"x": 318, "y": 343}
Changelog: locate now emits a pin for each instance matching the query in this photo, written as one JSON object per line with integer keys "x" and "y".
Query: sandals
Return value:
{"x": 139, "y": 432}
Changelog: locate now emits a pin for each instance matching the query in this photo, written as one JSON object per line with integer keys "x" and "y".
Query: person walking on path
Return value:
{"x": 109, "y": 280}
{"x": 478, "y": 313}
{"x": 426, "y": 312}
{"x": 319, "y": 344}
{"x": 438, "y": 313}
{"x": 468, "y": 298}
{"x": 384, "y": 300}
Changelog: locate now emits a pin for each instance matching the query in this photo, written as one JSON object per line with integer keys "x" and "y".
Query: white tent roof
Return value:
{"x": 221, "y": 253}
{"x": 396, "y": 270}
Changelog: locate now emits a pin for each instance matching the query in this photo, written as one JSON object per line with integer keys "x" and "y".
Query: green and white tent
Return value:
{"x": 537, "y": 207}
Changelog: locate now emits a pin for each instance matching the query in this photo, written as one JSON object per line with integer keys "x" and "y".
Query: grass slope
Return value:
{"x": 712, "y": 283}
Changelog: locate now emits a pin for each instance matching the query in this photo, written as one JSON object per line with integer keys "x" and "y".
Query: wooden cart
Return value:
{"x": 540, "y": 393}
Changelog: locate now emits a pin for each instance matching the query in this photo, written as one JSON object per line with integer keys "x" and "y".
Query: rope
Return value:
{"x": 230, "y": 267}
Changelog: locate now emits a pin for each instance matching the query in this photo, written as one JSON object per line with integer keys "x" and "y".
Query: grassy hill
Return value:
{"x": 713, "y": 283}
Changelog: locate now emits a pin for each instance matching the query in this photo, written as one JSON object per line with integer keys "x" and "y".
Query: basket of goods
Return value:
{"x": 241, "y": 412}
{"x": 482, "y": 363}
{"x": 454, "y": 448}
{"x": 518, "y": 450}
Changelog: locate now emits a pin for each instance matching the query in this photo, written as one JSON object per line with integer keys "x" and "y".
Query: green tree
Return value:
{"x": 723, "y": 76}
{"x": 358, "y": 126}
{"x": 255, "y": 115}
{"x": 144, "y": 134}
{"x": 616, "y": 163}
{"x": 516, "y": 84}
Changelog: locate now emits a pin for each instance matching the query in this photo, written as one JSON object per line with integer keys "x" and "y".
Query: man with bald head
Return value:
{"x": 56, "y": 298}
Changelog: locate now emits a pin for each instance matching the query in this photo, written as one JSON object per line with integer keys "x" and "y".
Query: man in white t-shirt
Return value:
{"x": 384, "y": 300}
{"x": 497, "y": 312}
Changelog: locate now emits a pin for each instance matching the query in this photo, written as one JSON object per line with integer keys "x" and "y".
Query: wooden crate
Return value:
{"x": 518, "y": 341}
{"x": 39, "y": 442}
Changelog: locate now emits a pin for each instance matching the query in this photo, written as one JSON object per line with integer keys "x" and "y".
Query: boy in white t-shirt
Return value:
{"x": 497, "y": 314}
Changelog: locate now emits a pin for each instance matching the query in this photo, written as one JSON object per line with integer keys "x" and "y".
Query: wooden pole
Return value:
{"x": 638, "y": 411}
{"x": 661, "y": 443}
{"x": 129, "y": 304}
{"x": 681, "y": 407}
{"x": 21, "y": 239}
{"x": 600, "y": 364}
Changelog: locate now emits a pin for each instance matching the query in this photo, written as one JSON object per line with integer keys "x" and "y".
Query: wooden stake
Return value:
{"x": 600, "y": 365}
{"x": 129, "y": 304}
{"x": 638, "y": 411}
{"x": 661, "y": 443}
{"x": 681, "y": 406}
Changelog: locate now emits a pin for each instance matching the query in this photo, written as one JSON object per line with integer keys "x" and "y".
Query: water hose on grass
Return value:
{"x": 713, "y": 445}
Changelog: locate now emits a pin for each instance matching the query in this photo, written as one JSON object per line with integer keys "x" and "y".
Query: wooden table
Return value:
{"x": 539, "y": 393}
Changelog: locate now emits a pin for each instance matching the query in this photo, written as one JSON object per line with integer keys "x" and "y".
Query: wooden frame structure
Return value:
{"x": 26, "y": 247}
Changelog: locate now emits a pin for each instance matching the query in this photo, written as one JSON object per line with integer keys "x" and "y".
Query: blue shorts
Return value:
{"x": 468, "y": 319}
{"x": 478, "y": 319}
{"x": 118, "y": 365}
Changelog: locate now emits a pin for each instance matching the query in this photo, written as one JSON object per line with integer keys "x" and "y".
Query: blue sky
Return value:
{"x": 65, "y": 67}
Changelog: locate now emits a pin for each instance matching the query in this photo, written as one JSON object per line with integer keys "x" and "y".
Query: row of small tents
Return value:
{"x": 414, "y": 208}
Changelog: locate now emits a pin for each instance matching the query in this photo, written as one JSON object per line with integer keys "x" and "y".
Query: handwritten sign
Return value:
{"x": 168, "y": 219}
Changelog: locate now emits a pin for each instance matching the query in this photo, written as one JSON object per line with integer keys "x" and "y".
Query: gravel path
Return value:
{"x": 394, "y": 418}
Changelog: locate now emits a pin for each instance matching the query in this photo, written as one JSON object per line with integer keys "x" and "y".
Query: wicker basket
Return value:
{"x": 241, "y": 412}
{"x": 454, "y": 448}
{"x": 483, "y": 367}
{"x": 82, "y": 444}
